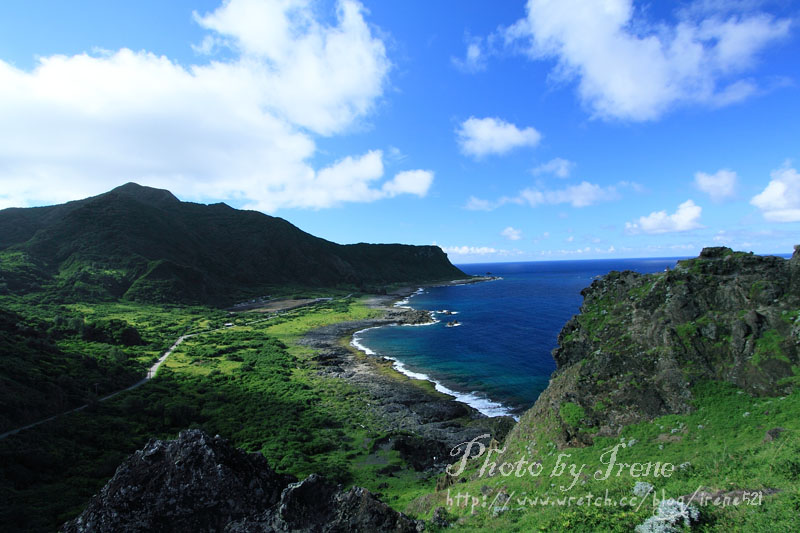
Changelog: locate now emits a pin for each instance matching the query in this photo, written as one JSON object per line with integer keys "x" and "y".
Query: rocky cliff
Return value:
{"x": 641, "y": 342}
{"x": 197, "y": 483}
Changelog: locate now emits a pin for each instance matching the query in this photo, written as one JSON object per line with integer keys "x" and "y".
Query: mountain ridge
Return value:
{"x": 144, "y": 244}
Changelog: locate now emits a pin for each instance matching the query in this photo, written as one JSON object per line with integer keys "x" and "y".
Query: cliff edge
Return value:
{"x": 641, "y": 342}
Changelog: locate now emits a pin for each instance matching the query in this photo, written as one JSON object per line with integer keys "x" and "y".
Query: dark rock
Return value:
{"x": 440, "y": 518}
{"x": 197, "y": 483}
{"x": 316, "y": 505}
{"x": 773, "y": 434}
{"x": 420, "y": 453}
{"x": 714, "y": 252}
{"x": 444, "y": 481}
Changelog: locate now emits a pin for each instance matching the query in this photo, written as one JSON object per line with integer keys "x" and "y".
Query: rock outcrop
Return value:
{"x": 197, "y": 483}
{"x": 641, "y": 342}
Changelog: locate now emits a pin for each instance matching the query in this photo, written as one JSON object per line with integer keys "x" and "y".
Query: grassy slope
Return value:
{"x": 721, "y": 446}
{"x": 252, "y": 384}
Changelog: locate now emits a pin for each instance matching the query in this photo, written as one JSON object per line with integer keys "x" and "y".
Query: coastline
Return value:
{"x": 406, "y": 401}
{"x": 484, "y": 405}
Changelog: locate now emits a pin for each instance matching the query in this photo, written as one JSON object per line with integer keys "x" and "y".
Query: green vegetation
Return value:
{"x": 571, "y": 413}
{"x": 253, "y": 384}
{"x": 250, "y": 383}
{"x": 142, "y": 244}
{"x": 768, "y": 346}
{"x": 720, "y": 448}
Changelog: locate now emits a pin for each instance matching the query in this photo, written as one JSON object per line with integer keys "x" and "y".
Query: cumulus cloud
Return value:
{"x": 582, "y": 195}
{"x": 479, "y": 137}
{"x": 415, "y": 182}
{"x": 718, "y": 186}
{"x": 687, "y": 217}
{"x": 241, "y": 126}
{"x": 558, "y": 167}
{"x": 780, "y": 200}
{"x": 632, "y": 70}
{"x": 511, "y": 234}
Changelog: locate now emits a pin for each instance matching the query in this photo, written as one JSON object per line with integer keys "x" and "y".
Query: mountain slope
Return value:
{"x": 144, "y": 244}
{"x": 641, "y": 342}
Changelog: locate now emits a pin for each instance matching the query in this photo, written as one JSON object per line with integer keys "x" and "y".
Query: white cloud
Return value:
{"x": 719, "y": 186}
{"x": 409, "y": 182}
{"x": 479, "y": 137}
{"x": 686, "y": 218}
{"x": 582, "y": 195}
{"x": 628, "y": 69}
{"x": 478, "y": 204}
{"x": 470, "y": 250}
{"x": 578, "y": 251}
{"x": 240, "y": 127}
{"x": 780, "y": 200}
{"x": 318, "y": 77}
{"x": 558, "y": 167}
{"x": 511, "y": 234}
{"x": 474, "y": 59}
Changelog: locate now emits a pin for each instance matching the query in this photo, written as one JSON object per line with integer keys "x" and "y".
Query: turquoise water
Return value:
{"x": 499, "y": 359}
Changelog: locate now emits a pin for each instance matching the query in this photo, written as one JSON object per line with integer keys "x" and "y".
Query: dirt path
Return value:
{"x": 151, "y": 372}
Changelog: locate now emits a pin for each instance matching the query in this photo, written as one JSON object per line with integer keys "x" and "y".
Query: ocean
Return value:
{"x": 499, "y": 358}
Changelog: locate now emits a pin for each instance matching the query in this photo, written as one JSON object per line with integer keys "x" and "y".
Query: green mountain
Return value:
{"x": 143, "y": 244}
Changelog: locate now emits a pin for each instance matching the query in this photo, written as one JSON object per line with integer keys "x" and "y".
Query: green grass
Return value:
{"x": 721, "y": 447}
{"x": 768, "y": 346}
{"x": 254, "y": 385}
{"x": 571, "y": 413}
{"x": 249, "y": 383}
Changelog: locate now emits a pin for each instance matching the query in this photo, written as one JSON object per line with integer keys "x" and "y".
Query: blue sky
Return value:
{"x": 504, "y": 131}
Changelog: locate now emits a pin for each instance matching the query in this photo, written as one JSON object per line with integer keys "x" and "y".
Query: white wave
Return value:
{"x": 474, "y": 399}
{"x": 355, "y": 342}
{"x": 403, "y": 304}
{"x": 446, "y": 312}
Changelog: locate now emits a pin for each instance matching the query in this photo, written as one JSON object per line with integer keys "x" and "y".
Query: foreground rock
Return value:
{"x": 642, "y": 341}
{"x": 197, "y": 483}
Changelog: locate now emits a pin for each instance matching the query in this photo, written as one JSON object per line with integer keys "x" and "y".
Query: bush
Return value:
{"x": 571, "y": 413}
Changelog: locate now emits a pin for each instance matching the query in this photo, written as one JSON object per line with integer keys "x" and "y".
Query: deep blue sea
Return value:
{"x": 498, "y": 359}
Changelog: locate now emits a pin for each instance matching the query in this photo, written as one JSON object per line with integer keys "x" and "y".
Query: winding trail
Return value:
{"x": 151, "y": 372}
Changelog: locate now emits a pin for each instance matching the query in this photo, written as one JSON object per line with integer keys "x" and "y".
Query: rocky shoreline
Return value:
{"x": 424, "y": 424}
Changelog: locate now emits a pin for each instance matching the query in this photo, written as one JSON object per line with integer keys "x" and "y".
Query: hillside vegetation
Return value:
{"x": 696, "y": 368}
{"x": 143, "y": 244}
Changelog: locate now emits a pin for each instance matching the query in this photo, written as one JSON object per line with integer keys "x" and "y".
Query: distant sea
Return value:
{"x": 498, "y": 360}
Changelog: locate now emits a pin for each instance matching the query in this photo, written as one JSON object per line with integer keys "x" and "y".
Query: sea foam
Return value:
{"x": 474, "y": 399}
